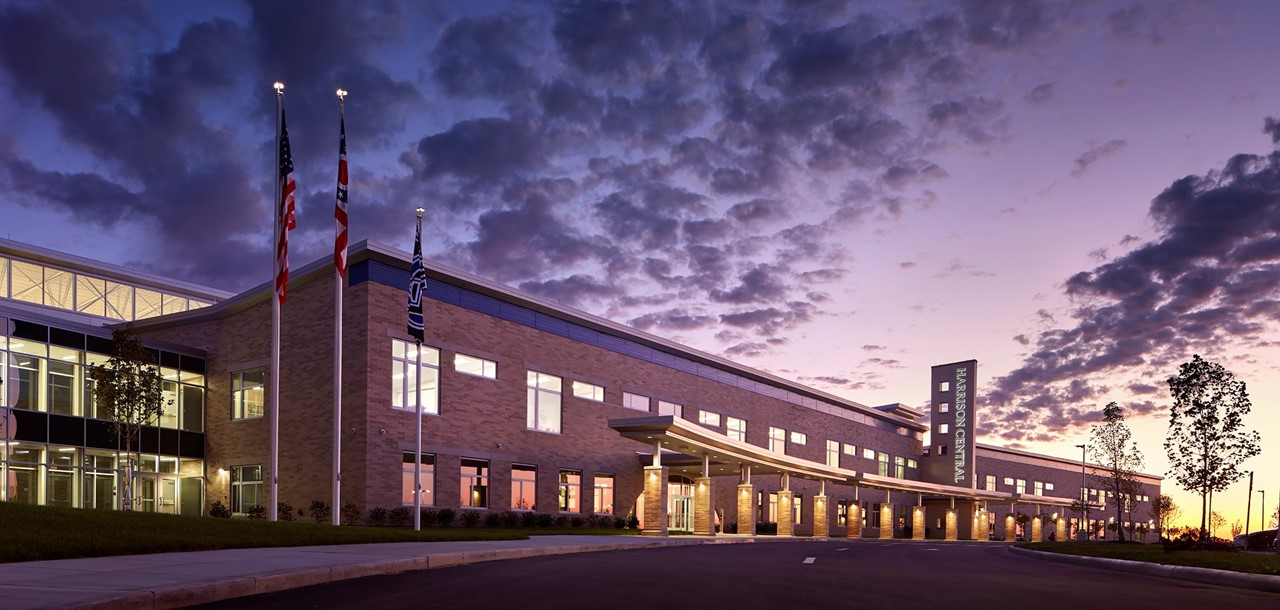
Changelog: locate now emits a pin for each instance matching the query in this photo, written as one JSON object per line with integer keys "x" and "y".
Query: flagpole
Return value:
{"x": 339, "y": 280}
{"x": 417, "y": 390}
{"x": 274, "y": 464}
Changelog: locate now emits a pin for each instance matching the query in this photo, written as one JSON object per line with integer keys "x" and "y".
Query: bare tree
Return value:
{"x": 1111, "y": 446}
{"x": 1216, "y": 520}
{"x": 129, "y": 390}
{"x": 1164, "y": 511}
{"x": 1207, "y": 441}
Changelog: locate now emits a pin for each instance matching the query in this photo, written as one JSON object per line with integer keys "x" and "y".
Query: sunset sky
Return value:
{"x": 1080, "y": 195}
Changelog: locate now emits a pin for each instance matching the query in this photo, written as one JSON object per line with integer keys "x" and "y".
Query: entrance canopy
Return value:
{"x": 684, "y": 446}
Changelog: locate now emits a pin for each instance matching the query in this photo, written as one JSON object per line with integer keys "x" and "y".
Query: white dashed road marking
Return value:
{"x": 810, "y": 559}
{"x": 844, "y": 549}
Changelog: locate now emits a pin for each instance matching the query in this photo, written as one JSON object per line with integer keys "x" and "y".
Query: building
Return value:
{"x": 529, "y": 406}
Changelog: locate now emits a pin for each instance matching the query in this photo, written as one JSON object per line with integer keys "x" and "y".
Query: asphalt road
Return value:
{"x": 831, "y": 574}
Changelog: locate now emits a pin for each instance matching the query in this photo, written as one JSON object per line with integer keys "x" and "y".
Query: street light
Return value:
{"x": 1084, "y": 494}
{"x": 1262, "y": 517}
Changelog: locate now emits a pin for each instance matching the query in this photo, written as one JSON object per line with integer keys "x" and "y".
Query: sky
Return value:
{"x": 1080, "y": 195}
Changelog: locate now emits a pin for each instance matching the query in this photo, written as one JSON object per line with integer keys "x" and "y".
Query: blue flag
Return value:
{"x": 417, "y": 286}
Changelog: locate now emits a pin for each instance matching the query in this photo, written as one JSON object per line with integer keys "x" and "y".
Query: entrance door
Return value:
{"x": 191, "y": 495}
{"x": 680, "y": 504}
{"x": 145, "y": 494}
{"x": 167, "y": 499}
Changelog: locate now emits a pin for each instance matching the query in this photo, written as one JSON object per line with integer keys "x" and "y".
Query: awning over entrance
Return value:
{"x": 685, "y": 446}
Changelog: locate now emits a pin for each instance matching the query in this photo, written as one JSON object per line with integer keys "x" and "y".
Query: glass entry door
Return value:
{"x": 144, "y": 493}
{"x": 680, "y": 504}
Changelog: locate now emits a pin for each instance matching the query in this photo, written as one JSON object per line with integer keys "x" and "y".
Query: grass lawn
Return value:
{"x": 31, "y": 533}
{"x": 1252, "y": 563}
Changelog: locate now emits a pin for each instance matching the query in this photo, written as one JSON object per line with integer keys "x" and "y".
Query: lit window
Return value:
{"x": 882, "y": 464}
{"x": 842, "y": 513}
{"x": 944, "y": 386}
{"x": 900, "y": 467}
{"x": 603, "y": 500}
{"x": 944, "y": 428}
{"x": 1048, "y": 486}
{"x": 735, "y": 428}
{"x": 1008, "y": 481}
{"x": 587, "y": 391}
{"x": 475, "y": 366}
{"x": 635, "y": 401}
{"x": 944, "y": 407}
{"x": 773, "y": 508}
{"x": 850, "y": 449}
{"x": 524, "y": 487}
{"x": 796, "y": 503}
{"x": 799, "y": 438}
{"x": 246, "y": 488}
{"x": 868, "y": 453}
{"x": 543, "y": 412}
{"x": 709, "y": 418}
{"x": 991, "y": 482}
{"x": 833, "y": 454}
{"x": 428, "y": 479}
{"x": 670, "y": 408}
{"x": 247, "y": 393}
{"x": 405, "y": 377}
{"x": 570, "y": 490}
{"x": 1020, "y": 486}
{"x": 912, "y": 464}
{"x": 777, "y": 440}
{"x": 1039, "y": 487}
{"x": 474, "y": 484}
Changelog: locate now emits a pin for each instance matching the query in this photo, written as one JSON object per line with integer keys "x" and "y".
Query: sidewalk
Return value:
{"x": 170, "y": 580}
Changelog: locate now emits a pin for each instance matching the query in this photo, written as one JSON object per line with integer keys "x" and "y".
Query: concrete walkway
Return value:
{"x": 171, "y": 580}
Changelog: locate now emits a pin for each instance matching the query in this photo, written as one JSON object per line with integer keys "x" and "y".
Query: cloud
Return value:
{"x": 1040, "y": 94}
{"x": 1096, "y": 154}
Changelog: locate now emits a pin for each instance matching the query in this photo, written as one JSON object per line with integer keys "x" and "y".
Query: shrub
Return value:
{"x": 576, "y": 521}
{"x": 767, "y": 529}
{"x": 399, "y": 516}
{"x": 351, "y": 514}
{"x": 446, "y": 516}
{"x": 562, "y": 521}
{"x": 491, "y": 519}
{"x": 633, "y": 522}
{"x": 471, "y": 518}
{"x": 256, "y": 512}
{"x": 731, "y": 528}
{"x": 284, "y": 511}
{"x": 219, "y": 510}
{"x": 529, "y": 519}
{"x": 378, "y": 516}
{"x": 510, "y": 519}
{"x": 319, "y": 510}
{"x": 545, "y": 521}
{"x": 592, "y": 521}
{"x": 429, "y": 516}
{"x": 619, "y": 523}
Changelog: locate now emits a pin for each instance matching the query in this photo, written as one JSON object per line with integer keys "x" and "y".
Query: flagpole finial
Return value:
{"x": 279, "y": 87}
{"x": 342, "y": 93}
{"x": 420, "y": 211}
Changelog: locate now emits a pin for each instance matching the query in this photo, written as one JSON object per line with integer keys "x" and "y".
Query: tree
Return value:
{"x": 1111, "y": 446}
{"x": 130, "y": 391}
{"x": 1163, "y": 512}
{"x": 1216, "y": 520}
{"x": 1236, "y": 528}
{"x": 1207, "y": 441}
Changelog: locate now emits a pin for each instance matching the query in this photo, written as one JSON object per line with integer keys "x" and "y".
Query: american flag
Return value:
{"x": 340, "y": 210}
{"x": 286, "y": 211}
{"x": 417, "y": 285}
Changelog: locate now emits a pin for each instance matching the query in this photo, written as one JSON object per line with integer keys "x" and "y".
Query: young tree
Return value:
{"x": 1207, "y": 441}
{"x": 1216, "y": 520}
{"x": 1111, "y": 446}
{"x": 1164, "y": 511}
{"x": 129, "y": 389}
{"x": 1236, "y": 528}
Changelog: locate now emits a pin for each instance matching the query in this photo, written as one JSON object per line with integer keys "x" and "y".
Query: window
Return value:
{"x": 246, "y": 488}
{"x": 991, "y": 483}
{"x": 800, "y": 438}
{"x": 833, "y": 454}
{"x": 635, "y": 401}
{"x": 773, "y": 508}
{"x": 1008, "y": 481}
{"x": 942, "y": 449}
{"x": 944, "y": 428}
{"x": 603, "y": 499}
{"x": 670, "y": 408}
{"x": 428, "y": 479}
{"x": 1039, "y": 487}
{"x": 708, "y": 418}
{"x": 736, "y": 429}
{"x": 1048, "y": 486}
{"x": 474, "y": 484}
{"x": 543, "y": 413}
{"x": 777, "y": 440}
{"x": 944, "y": 386}
{"x": 899, "y": 467}
{"x": 1020, "y": 486}
{"x": 868, "y": 453}
{"x": 882, "y": 464}
{"x": 796, "y": 502}
{"x": 570, "y": 490}
{"x": 944, "y": 407}
{"x": 247, "y": 393}
{"x": 524, "y": 487}
{"x": 850, "y": 450}
{"x": 587, "y": 391}
{"x": 475, "y": 366}
{"x": 912, "y": 464}
{"x": 407, "y": 379}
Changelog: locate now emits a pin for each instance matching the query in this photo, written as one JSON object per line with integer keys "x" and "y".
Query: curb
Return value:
{"x": 229, "y": 588}
{"x": 1257, "y": 582}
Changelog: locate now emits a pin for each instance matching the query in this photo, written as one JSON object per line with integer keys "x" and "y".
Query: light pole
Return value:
{"x": 1262, "y": 518}
{"x": 1248, "y": 511}
{"x": 1084, "y": 495}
